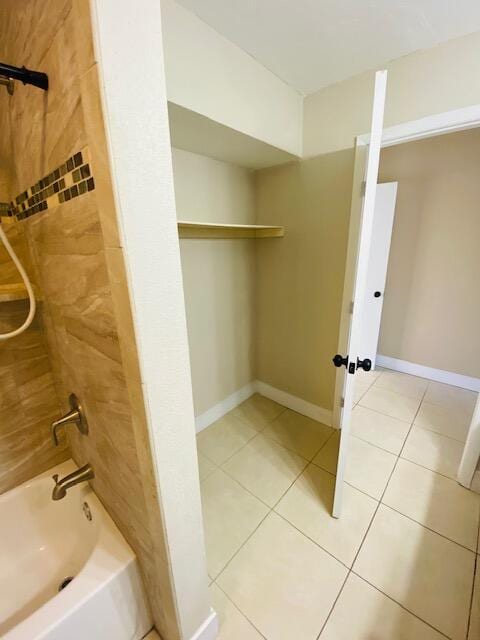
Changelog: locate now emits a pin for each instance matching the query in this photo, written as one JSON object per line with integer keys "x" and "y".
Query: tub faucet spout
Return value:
{"x": 80, "y": 475}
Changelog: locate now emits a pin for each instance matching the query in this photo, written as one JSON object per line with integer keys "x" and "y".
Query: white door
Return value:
{"x": 360, "y": 236}
{"x": 377, "y": 268}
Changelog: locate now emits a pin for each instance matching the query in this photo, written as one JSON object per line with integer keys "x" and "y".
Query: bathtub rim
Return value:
{"x": 109, "y": 558}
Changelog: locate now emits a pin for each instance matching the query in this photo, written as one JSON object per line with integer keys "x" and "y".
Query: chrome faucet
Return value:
{"x": 75, "y": 416}
{"x": 80, "y": 475}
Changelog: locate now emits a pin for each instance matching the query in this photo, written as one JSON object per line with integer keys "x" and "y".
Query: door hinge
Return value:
{"x": 363, "y": 189}
{"x": 342, "y": 402}
{"x": 351, "y": 307}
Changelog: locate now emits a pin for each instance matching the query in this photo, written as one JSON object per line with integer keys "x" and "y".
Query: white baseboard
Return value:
{"x": 296, "y": 404}
{"x": 209, "y": 629}
{"x": 224, "y": 406}
{"x": 438, "y": 375}
{"x": 257, "y": 386}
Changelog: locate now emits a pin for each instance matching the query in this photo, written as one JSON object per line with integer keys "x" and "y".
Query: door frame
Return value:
{"x": 430, "y": 126}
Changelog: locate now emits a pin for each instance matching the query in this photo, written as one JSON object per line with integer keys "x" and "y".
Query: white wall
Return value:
{"x": 136, "y": 120}
{"x": 208, "y": 74}
{"x": 218, "y": 276}
{"x": 427, "y": 82}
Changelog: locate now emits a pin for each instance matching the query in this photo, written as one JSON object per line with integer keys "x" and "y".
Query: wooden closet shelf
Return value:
{"x": 14, "y": 291}
{"x": 218, "y": 230}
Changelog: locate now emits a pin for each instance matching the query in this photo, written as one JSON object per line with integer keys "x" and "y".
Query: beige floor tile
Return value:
{"x": 443, "y": 420}
{"x": 205, "y": 467}
{"x": 283, "y": 582}
{"x": 258, "y": 411}
{"x": 363, "y": 613}
{"x": 308, "y": 506}
{"x": 433, "y": 451}
{"x": 221, "y": 440}
{"x": 265, "y": 468}
{"x": 327, "y": 457}
{"x": 233, "y": 624}
{"x": 368, "y": 467}
{"x": 474, "y": 628}
{"x": 298, "y": 433}
{"x": 402, "y": 383}
{"x": 368, "y": 376}
{"x": 390, "y": 403}
{"x": 383, "y": 431}
{"x": 230, "y": 515}
{"x": 427, "y": 574}
{"x": 451, "y": 397}
{"x": 435, "y": 501}
{"x": 360, "y": 389}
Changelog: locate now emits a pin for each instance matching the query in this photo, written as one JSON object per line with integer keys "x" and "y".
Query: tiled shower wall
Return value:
{"x": 28, "y": 400}
{"x": 78, "y": 264}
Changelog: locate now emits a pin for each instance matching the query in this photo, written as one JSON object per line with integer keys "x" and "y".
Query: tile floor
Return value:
{"x": 400, "y": 562}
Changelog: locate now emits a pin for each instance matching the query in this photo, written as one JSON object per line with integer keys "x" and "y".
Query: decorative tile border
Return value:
{"x": 72, "y": 179}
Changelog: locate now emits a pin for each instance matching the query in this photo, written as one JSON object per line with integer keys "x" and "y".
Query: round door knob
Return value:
{"x": 365, "y": 364}
{"x": 338, "y": 360}
{"x": 377, "y": 294}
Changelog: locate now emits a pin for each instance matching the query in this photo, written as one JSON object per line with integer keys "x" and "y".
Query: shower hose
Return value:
{"x": 28, "y": 286}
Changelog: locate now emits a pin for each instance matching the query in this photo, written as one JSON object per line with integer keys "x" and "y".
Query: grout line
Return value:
{"x": 373, "y": 518}
{"x": 385, "y": 414}
{"x": 242, "y": 545}
{"x": 417, "y": 426}
{"x": 431, "y": 470}
{"x": 244, "y": 421}
{"x": 475, "y": 569}
{"x": 333, "y": 605}
{"x": 269, "y": 512}
{"x": 239, "y": 610}
{"x": 260, "y": 499}
{"x": 305, "y": 535}
{"x": 379, "y": 502}
{"x": 400, "y": 605}
{"x": 459, "y": 544}
{"x": 399, "y": 393}
{"x": 270, "y": 509}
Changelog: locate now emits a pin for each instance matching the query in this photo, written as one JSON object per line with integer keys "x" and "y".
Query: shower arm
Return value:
{"x": 35, "y": 78}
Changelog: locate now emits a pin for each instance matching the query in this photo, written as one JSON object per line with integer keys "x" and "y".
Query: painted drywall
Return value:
{"x": 431, "y": 305}
{"x": 218, "y": 276}
{"x": 208, "y": 74}
{"x": 136, "y": 123}
{"x": 440, "y": 79}
{"x": 300, "y": 277}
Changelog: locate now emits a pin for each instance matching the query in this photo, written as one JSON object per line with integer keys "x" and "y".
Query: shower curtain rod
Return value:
{"x": 35, "y": 78}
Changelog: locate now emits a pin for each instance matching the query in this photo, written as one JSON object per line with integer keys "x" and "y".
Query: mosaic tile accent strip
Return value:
{"x": 72, "y": 179}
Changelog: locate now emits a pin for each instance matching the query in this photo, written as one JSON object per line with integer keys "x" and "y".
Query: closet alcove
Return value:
{"x": 215, "y": 188}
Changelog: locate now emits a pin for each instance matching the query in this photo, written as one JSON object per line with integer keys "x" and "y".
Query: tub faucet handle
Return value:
{"x": 74, "y": 416}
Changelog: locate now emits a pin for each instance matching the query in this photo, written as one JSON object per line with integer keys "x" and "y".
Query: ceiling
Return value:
{"x": 310, "y": 44}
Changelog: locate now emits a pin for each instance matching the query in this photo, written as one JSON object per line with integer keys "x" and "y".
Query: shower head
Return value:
{"x": 7, "y": 82}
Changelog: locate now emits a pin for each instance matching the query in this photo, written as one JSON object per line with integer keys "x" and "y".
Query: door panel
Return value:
{"x": 360, "y": 238}
{"x": 377, "y": 267}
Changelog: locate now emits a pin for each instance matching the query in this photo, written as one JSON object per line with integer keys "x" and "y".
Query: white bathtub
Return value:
{"x": 42, "y": 542}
